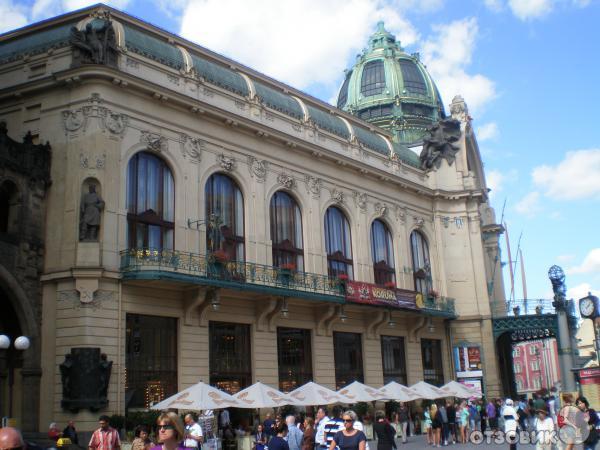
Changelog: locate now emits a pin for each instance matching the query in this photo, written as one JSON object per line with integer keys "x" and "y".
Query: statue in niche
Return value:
{"x": 95, "y": 45}
{"x": 85, "y": 375}
{"x": 440, "y": 143}
{"x": 89, "y": 223}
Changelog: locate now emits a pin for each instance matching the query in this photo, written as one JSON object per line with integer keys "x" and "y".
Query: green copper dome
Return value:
{"x": 391, "y": 89}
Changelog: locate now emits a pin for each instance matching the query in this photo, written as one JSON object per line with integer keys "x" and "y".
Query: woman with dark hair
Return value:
{"x": 141, "y": 441}
{"x": 170, "y": 432}
{"x": 260, "y": 438}
{"x": 593, "y": 423}
{"x": 384, "y": 431}
{"x": 278, "y": 441}
{"x": 308, "y": 437}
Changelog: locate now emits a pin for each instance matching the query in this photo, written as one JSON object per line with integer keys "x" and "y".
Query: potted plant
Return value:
{"x": 390, "y": 285}
{"x": 285, "y": 272}
{"x": 433, "y": 293}
{"x": 219, "y": 256}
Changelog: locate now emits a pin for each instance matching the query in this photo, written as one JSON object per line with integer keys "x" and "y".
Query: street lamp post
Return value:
{"x": 21, "y": 343}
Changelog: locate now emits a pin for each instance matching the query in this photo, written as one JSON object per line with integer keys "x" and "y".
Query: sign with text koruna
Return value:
{"x": 372, "y": 294}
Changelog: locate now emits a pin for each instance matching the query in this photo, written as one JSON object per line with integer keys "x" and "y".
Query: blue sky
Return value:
{"x": 528, "y": 69}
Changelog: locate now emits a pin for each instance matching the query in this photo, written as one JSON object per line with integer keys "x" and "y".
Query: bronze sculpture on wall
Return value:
{"x": 97, "y": 44}
{"x": 440, "y": 143}
{"x": 91, "y": 208}
{"x": 85, "y": 375}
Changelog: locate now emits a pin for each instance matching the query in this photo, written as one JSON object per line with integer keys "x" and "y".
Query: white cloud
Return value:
{"x": 303, "y": 43}
{"x": 590, "y": 264}
{"x": 447, "y": 55}
{"x": 575, "y": 177}
{"x": 494, "y": 180}
{"x": 565, "y": 258}
{"x": 529, "y": 205}
{"x": 11, "y": 16}
{"x": 582, "y": 290}
{"x": 494, "y": 5}
{"x": 487, "y": 131}
{"x": 530, "y": 9}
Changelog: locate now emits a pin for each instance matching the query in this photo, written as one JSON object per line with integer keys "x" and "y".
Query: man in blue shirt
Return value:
{"x": 294, "y": 436}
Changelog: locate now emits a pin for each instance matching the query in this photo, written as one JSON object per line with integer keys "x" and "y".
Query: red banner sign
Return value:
{"x": 372, "y": 294}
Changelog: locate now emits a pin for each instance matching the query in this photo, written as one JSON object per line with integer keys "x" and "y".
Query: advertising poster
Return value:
{"x": 373, "y": 294}
{"x": 467, "y": 361}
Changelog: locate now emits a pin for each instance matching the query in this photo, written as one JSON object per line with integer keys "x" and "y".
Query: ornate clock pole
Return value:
{"x": 565, "y": 350}
{"x": 590, "y": 309}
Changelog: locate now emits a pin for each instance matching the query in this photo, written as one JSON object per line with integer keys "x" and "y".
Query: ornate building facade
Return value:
{"x": 206, "y": 222}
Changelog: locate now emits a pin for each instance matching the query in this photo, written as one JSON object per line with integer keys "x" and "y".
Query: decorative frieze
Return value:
{"x": 97, "y": 162}
{"x": 337, "y": 195}
{"x": 381, "y": 209}
{"x": 360, "y": 199}
{"x": 227, "y": 163}
{"x": 401, "y": 214}
{"x": 313, "y": 186}
{"x": 116, "y": 123}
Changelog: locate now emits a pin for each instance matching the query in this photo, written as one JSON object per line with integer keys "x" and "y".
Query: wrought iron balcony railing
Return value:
{"x": 523, "y": 307}
{"x": 144, "y": 263}
{"x": 440, "y": 305}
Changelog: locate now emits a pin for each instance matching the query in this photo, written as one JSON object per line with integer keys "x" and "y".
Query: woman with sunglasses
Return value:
{"x": 349, "y": 438}
{"x": 170, "y": 432}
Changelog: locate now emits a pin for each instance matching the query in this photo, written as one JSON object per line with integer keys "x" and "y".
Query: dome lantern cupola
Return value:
{"x": 391, "y": 89}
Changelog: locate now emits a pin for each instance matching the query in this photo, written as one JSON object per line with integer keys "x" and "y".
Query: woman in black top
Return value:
{"x": 278, "y": 442}
{"x": 349, "y": 438}
{"x": 384, "y": 431}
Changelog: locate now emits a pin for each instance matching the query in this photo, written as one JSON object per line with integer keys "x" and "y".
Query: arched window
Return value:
{"x": 338, "y": 243}
{"x": 286, "y": 231}
{"x": 383, "y": 254}
{"x": 150, "y": 202}
{"x": 373, "y": 78}
{"x": 8, "y": 207}
{"x": 420, "y": 262}
{"x": 224, "y": 201}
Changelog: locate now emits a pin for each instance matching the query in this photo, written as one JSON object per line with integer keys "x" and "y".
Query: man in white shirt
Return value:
{"x": 544, "y": 427}
{"x": 193, "y": 433}
{"x": 322, "y": 419}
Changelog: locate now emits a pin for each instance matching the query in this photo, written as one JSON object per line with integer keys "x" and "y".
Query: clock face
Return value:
{"x": 586, "y": 307}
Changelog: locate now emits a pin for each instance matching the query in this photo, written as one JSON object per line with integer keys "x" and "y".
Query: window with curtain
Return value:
{"x": 338, "y": 243}
{"x": 382, "y": 252}
{"x": 431, "y": 353}
{"x": 294, "y": 357}
{"x": 150, "y": 202}
{"x": 224, "y": 200}
{"x": 393, "y": 359}
{"x": 348, "y": 359}
{"x": 420, "y": 262}
{"x": 286, "y": 231}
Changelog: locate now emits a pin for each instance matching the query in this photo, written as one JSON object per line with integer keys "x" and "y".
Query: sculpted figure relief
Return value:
{"x": 440, "y": 143}
{"x": 91, "y": 207}
{"x": 95, "y": 45}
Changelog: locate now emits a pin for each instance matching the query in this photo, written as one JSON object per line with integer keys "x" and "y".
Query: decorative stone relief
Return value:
{"x": 191, "y": 148}
{"x": 439, "y": 143}
{"x": 95, "y": 44}
{"x": 257, "y": 168}
{"x": 74, "y": 120}
{"x": 286, "y": 181}
{"x": 337, "y": 195}
{"x": 116, "y": 123}
{"x": 226, "y": 162}
{"x": 98, "y": 299}
{"x": 132, "y": 63}
{"x": 173, "y": 79}
{"x": 86, "y": 162}
{"x": 154, "y": 141}
{"x": 458, "y": 109}
{"x": 401, "y": 214}
{"x": 313, "y": 185}
{"x": 361, "y": 201}
{"x": 381, "y": 209}
{"x": 419, "y": 222}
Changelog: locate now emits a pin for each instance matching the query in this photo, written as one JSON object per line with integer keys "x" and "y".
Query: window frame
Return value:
{"x": 421, "y": 274}
{"x": 342, "y": 342}
{"x": 241, "y": 355}
{"x": 303, "y": 372}
{"x": 372, "y": 78}
{"x": 283, "y": 251}
{"x": 338, "y": 257}
{"x": 434, "y": 375}
{"x": 383, "y": 271}
{"x": 399, "y": 373}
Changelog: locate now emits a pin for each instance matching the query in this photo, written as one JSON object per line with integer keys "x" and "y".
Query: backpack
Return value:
{"x": 560, "y": 419}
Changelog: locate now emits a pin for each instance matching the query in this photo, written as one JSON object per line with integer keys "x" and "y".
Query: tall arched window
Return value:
{"x": 338, "y": 243}
{"x": 8, "y": 207}
{"x": 224, "y": 200}
{"x": 383, "y": 253}
{"x": 150, "y": 202}
{"x": 420, "y": 262}
{"x": 286, "y": 231}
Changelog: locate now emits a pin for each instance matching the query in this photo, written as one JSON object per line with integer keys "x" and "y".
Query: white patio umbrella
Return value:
{"x": 198, "y": 397}
{"x": 260, "y": 395}
{"x": 358, "y": 392}
{"x": 427, "y": 391}
{"x": 456, "y": 389}
{"x": 398, "y": 392}
{"x": 312, "y": 393}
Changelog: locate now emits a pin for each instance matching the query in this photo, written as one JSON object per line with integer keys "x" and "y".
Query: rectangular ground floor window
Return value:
{"x": 347, "y": 349}
{"x": 431, "y": 353}
{"x": 150, "y": 359}
{"x": 294, "y": 357}
{"x": 229, "y": 356}
{"x": 393, "y": 359}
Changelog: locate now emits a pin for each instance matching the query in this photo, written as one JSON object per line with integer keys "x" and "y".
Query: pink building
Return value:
{"x": 536, "y": 365}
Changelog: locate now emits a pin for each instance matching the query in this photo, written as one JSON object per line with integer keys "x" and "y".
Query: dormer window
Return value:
{"x": 373, "y": 78}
